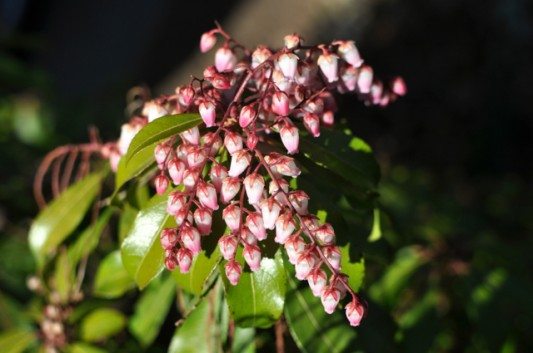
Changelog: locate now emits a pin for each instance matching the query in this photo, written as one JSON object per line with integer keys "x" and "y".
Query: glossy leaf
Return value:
{"x": 62, "y": 216}
{"x": 102, "y": 324}
{"x": 125, "y": 222}
{"x": 201, "y": 269}
{"x": 135, "y": 166}
{"x": 197, "y": 332}
{"x": 151, "y": 310}
{"x": 257, "y": 300}
{"x": 88, "y": 239}
{"x": 16, "y": 340}
{"x": 63, "y": 276}
{"x": 243, "y": 340}
{"x": 112, "y": 280}
{"x": 142, "y": 254}
{"x": 354, "y": 270}
{"x": 312, "y": 329}
{"x": 80, "y": 347}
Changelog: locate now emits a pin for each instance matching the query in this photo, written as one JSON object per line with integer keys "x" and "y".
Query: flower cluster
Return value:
{"x": 246, "y": 100}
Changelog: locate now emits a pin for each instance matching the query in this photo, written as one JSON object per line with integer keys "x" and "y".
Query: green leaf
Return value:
{"x": 63, "y": 215}
{"x": 112, "y": 280}
{"x": 257, "y": 300}
{"x": 354, "y": 270}
{"x": 197, "y": 333}
{"x": 243, "y": 340}
{"x": 142, "y": 254}
{"x": 344, "y": 154}
{"x": 80, "y": 347}
{"x": 125, "y": 222}
{"x": 151, "y": 310}
{"x": 376, "y": 233}
{"x": 16, "y": 341}
{"x": 88, "y": 239}
{"x": 140, "y": 153}
{"x": 64, "y": 276}
{"x": 201, "y": 269}
{"x": 312, "y": 329}
{"x": 101, "y": 324}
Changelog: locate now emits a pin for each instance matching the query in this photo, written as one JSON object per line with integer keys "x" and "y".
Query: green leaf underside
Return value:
{"x": 61, "y": 217}
{"x": 142, "y": 254}
{"x": 135, "y": 166}
{"x": 201, "y": 269}
{"x": 312, "y": 329}
{"x": 151, "y": 310}
{"x": 16, "y": 340}
{"x": 112, "y": 280}
{"x": 258, "y": 299}
{"x": 102, "y": 324}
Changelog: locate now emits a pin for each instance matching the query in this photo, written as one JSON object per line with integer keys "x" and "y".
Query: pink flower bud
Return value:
{"x": 330, "y": 298}
{"x": 169, "y": 238}
{"x": 247, "y": 236}
{"x": 212, "y": 142}
{"x": 315, "y": 106}
{"x": 292, "y": 41}
{"x": 254, "y": 222}
{"x": 338, "y": 283}
{"x": 333, "y": 256}
{"x": 260, "y": 55}
{"x": 348, "y": 51}
{"x": 221, "y": 81}
{"x": 288, "y": 63}
{"x": 306, "y": 75}
{"x": 312, "y": 124}
{"x": 230, "y": 188}
{"x": 364, "y": 81}
{"x": 114, "y": 159}
{"x": 153, "y": 110}
{"x": 299, "y": 201}
{"x": 355, "y": 312}
{"x": 325, "y": 234}
{"x": 233, "y": 272}
{"x": 294, "y": 246}
{"x": 275, "y": 185}
{"x": 175, "y": 202}
{"x": 328, "y": 118}
{"x": 310, "y": 223}
{"x": 225, "y": 59}
{"x": 398, "y": 86}
{"x": 270, "y": 210}
{"x": 252, "y": 256}
{"x": 207, "y": 110}
{"x": 203, "y": 219}
{"x": 280, "y": 104}
{"x": 232, "y": 216}
{"x": 251, "y": 141}
{"x": 181, "y": 215}
{"x": 247, "y": 115}
{"x": 190, "y": 237}
{"x": 176, "y": 168}
{"x": 290, "y": 138}
{"x": 228, "y": 246}
{"x": 185, "y": 95}
{"x": 328, "y": 64}
{"x": 196, "y": 157}
{"x": 218, "y": 173}
{"x": 254, "y": 185}
{"x": 233, "y": 142}
{"x": 283, "y": 83}
{"x": 190, "y": 178}
{"x": 376, "y": 92}
{"x": 285, "y": 225}
{"x": 182, "y": 151}
{"x": 170, "y": 261}
{"x": 317, "y": 280}
{"x": 207, "y": 195}
{"x": 191, "y": 136}
{"x": 161, "y": 184}
{"x": 161, "y": 153}
{"x": 349, "y": 78}
{"x": 184, "y": 257}
{"x": 209, "y": 72}
{"x": 240, "y": 160}
{"x": 304, "y": 265}
{"x": 283, "y": 165}
{"x": 207, "y": 41}
{"x": 127, "y": 133}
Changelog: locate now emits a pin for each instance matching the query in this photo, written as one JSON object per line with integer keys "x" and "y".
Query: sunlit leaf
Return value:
{"x": 102, "y": 324}
{"x": 202, "y": 267}
{"x": 112, "y": 280}
{"x": 354, "y": 270}
{"x": 375, "y": 234}
{"x": 63, "y": 276}
{"x": 151, "y": 310}
{"x": 16, "y": 340}
{"x": 80, "y": 347}
{"x": 142, "y": 254}
{"x": 243, "y": 340}
{"x": 264, "y": 291}
{"x": 63, "y": 215}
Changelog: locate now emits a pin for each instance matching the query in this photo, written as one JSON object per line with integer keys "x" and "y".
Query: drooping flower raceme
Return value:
{"x": 246, "y": 100}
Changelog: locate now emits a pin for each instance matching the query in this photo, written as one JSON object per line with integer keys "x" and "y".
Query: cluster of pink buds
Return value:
{"x": 245, "y": 100}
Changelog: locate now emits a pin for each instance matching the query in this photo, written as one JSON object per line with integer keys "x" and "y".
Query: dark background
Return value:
{"x": 456, "y": 152}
